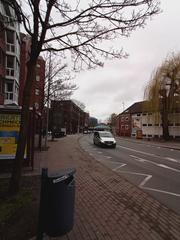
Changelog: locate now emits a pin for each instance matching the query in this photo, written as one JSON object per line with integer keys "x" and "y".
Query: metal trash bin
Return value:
{"x": 59, "y": 203}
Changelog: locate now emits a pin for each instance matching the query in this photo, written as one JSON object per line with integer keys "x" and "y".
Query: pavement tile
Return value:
{"x": 108, "y": 207}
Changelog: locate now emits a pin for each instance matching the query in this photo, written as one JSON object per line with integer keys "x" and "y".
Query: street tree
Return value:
{"x": 58, "y": 86}
{"x": 163, "y": 90}
{"x": 77, "y": 29}
{"x": 58, "y": 80}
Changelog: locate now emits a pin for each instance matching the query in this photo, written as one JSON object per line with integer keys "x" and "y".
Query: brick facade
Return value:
{"x": 37, "y": 95}
{"x": 66, "y": 114}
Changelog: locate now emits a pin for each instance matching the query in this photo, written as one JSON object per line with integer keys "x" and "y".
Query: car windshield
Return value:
{"x": 105, "y": 134}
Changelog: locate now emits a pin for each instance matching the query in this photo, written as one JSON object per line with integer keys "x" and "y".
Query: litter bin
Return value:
{"x": 59, "y": 201}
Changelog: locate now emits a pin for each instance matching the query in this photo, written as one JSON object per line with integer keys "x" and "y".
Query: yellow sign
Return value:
{"x": 9, "y": 132}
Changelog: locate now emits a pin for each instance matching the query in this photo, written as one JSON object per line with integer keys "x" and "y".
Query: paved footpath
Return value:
{"x": 107, "y": 207}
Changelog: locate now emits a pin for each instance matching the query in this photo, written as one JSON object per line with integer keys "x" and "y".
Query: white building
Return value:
{"x": 151, "y": 125}
{"x": 12, "y": 59}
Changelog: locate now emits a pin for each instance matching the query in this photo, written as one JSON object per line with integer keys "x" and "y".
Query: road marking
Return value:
{"x": 171, "y": 149}
{"x": 146, "y": 179}
{"x": 161, "y": 191}
{"x": 108, "y": 157}
{"x": 156, "y": 164}
{"x": 171, "y": 159}
{"x": 137, "y": 158}
{"x": 167, "y": 167}
{"x": 99, "y": 152}
{"x": 131, "y": 149}
{"x": 122, "y": 165}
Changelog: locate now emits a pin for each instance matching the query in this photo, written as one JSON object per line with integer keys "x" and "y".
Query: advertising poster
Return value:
{"x": 9, "y": 132}
{"x": 136, "y": 124}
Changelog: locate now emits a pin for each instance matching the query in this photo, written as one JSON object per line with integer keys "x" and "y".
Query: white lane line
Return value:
{"x": 171, "y": 159}
{"x": 149, "y": 154}
{"x": 116, "y": 168}
{"x": 108, "y": 157}
{"x": 159, "y": 147}
{"x": 161, "y": 191}
{"x": 148, "y": 177}
{"x": 171, "y": 149}
{"x": 138, "y": 159}
{"x": 145, "y": 180}
{"x": 131, "y": 149}
{"x": 99, "y": 152}
{"x": 167, "y": 167}
{"x": 156, "y": 164}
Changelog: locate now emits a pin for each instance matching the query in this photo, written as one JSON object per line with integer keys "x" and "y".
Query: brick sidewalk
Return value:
{"x": 107, "y": 206}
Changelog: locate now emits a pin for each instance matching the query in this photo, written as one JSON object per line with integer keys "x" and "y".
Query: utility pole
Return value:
{"x": 48, "y": 95}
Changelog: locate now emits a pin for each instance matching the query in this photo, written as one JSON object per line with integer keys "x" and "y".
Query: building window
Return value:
{"x": 122, "y": 126}
{"x": 122, "y": 119}
{"x": 138, "y": 114}
{"x": 9, "y": 90}
{"x": 10, "y": 41}
{"x": 37, "y": 78}
{"x": 149, "y": 125}
{"x": 10, "y": 65}
{"x": 127, "y": 127}
{"x": 144, "y": 124}
{"x": 1, "y": 85}
{"x": 36, "y": 91}
{"x": 127, "y": 118}
{"x": 38, "y": 65}
{"x": 2, "y": 58}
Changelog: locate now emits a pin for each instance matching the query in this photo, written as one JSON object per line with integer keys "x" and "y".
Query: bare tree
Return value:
{"x": 163, "y": 91}
{"x": 77, "y": 28}
{"x": 58, "y": 80}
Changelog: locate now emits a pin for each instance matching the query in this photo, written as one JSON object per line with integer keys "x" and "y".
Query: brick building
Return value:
{"x": 37, "y": 95}
{"x": 66, "y": 114}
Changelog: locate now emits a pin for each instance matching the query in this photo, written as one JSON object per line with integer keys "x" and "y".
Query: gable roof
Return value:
{"x": 137, "y": 107}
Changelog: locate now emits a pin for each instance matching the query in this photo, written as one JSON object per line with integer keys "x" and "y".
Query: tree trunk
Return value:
{"x": 14, "y": 185}
{"x": 164, "y": 117}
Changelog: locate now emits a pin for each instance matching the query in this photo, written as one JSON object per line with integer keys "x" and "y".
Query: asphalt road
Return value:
{"x": 153, "y": 168}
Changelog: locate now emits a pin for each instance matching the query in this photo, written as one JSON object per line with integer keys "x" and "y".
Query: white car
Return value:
{"x": 104, "y": 139}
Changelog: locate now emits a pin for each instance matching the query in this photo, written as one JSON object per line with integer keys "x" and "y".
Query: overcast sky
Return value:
{"x": 120, "y": 83}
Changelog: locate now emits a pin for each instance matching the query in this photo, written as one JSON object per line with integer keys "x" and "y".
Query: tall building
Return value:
{"x": 2, "y": 62}
{"x": 10, "y": 47}
{"x": 37, "y": 94}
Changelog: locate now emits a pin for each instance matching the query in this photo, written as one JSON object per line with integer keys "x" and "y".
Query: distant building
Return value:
{"x": 141, "y": 122}
{"x": 93, "y": 122}
{"x": 66, "y": 114}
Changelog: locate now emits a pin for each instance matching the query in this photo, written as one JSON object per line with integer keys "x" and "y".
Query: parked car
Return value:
{"x": 104, "y": 139}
